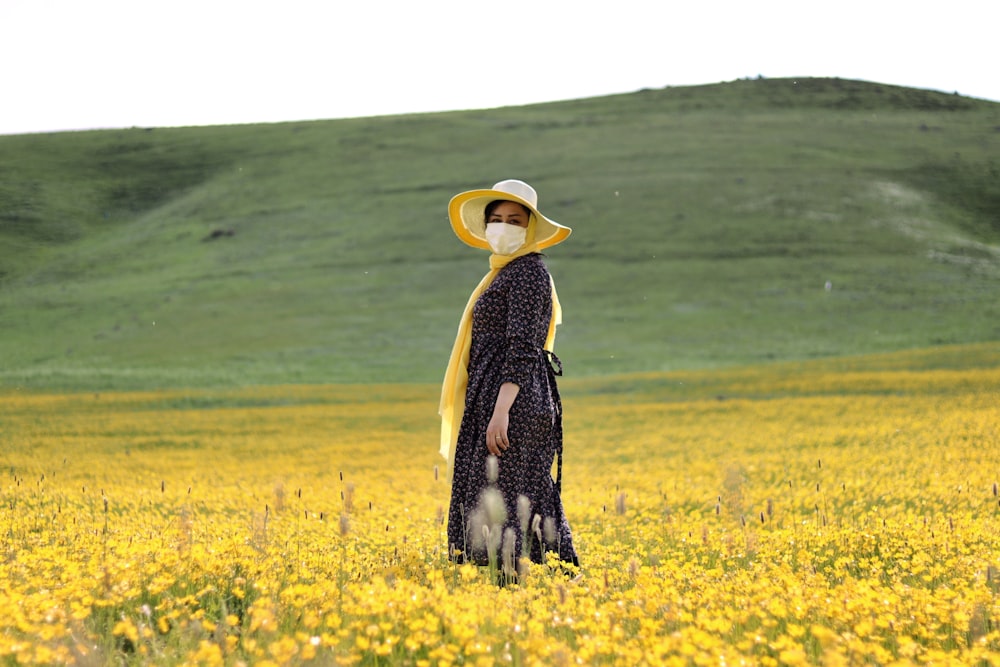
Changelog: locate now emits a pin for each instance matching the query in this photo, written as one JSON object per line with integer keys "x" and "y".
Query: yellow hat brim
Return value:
{"x": 466, "y": 213}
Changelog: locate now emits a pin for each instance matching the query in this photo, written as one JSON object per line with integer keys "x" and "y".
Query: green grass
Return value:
{"x": 707, "y": 222}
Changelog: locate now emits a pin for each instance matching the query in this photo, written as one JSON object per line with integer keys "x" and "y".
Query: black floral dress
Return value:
{"x": 511, "y": 507}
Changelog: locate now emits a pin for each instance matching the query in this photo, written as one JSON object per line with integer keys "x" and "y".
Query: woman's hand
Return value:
{"x": 496, "y": 432}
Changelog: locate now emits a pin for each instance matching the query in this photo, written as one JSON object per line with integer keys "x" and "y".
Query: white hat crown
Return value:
{"x": 512, "y": 186}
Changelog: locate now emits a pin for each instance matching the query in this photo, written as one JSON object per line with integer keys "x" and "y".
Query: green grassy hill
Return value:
{"x": 708, "y": 222}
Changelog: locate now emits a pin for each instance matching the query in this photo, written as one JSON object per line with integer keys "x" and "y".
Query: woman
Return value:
{"x": 501, "y": 415}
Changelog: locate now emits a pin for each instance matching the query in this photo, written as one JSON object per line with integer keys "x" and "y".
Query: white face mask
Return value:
{"x": 505, "y": 239}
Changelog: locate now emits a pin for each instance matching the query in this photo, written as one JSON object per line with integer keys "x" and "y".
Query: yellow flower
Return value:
{"x": 283, "y": 650}
{"x": 208, "y": 653}
{"x": 262, "y": 618}
{"x": 126, "y": 628}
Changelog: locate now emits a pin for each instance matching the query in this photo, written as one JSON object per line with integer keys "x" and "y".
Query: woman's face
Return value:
{"x": 509, "y": 212}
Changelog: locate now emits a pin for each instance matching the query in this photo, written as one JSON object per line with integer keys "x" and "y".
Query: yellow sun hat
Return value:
{"x": 467, "y": 214}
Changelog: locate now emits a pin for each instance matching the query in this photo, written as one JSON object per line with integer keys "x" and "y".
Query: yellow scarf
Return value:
{"x": 456, "y": 378}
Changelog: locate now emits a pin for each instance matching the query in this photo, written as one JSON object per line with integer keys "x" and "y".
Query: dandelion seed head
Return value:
{"x": 549, "y": 529}
{"x": 493, "y": 503}
{"x": 507, "y": 551}
{"x": 523, "y": 512}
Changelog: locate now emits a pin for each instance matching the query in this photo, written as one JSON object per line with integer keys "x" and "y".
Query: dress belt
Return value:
{"x": 554, "y": 367}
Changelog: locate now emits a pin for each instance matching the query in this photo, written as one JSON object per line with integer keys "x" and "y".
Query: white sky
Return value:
{"x": 79, "y": 64}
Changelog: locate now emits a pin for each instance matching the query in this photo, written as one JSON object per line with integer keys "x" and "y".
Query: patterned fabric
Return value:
{"x": 509, "y": 325}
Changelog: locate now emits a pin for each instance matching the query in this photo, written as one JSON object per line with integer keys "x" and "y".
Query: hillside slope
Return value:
{"x": 713, "y": 226}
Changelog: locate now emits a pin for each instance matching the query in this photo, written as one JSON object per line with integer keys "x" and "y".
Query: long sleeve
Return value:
{"x": 529, "y": 312}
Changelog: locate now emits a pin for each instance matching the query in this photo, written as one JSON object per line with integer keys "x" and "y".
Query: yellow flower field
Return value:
{"x": 774, "y": 518}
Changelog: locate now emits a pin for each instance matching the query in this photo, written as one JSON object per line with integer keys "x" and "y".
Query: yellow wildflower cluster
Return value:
{"x": 826, "y": 519}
